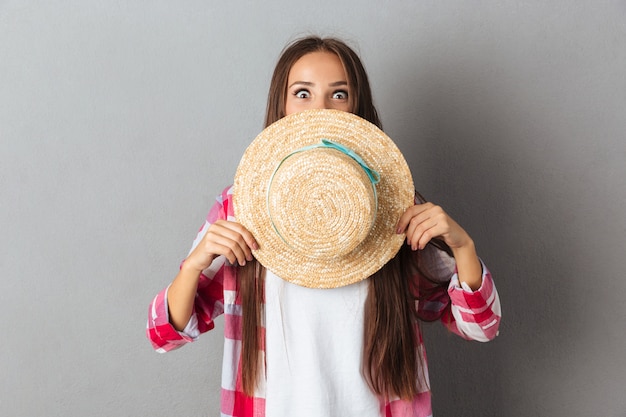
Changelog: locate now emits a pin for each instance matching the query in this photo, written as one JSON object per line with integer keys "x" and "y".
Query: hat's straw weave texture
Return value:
{"x": 315, "y": 213}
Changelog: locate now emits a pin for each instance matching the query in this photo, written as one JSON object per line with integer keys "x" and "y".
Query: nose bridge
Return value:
{"x": 320, "y": 102}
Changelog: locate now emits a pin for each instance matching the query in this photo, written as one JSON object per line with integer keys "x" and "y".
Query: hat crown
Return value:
{"x": 322, "y": 201}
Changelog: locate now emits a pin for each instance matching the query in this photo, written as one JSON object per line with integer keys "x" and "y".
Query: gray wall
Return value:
{"x": 120, "y": 122}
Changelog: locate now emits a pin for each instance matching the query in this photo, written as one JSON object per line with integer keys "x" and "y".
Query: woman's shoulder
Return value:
{"x": 223, "y": 206}
{"x": 226, "y": 194}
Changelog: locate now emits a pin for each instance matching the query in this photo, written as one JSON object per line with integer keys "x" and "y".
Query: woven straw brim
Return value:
{"x": 322, "y": 225}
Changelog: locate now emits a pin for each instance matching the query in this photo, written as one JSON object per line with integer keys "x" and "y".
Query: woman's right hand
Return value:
{"x": 226, "y": 238}
{"x": 223, "y": 237}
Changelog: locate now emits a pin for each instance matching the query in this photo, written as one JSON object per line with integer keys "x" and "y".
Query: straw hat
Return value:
{"x": 322, "y": 191}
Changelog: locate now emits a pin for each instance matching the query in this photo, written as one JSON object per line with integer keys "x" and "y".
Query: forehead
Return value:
{"x": 318, "y": 64}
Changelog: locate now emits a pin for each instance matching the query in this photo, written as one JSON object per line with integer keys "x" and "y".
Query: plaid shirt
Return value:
{"x": 472, "y": 315}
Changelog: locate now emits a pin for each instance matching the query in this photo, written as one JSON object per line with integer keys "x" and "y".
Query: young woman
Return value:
{"x": 377, "y": 364}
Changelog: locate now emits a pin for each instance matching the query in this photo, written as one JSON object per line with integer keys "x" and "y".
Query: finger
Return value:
{"x": 408, "y": 214}
{"x": 233, "y": 247}
{"x": 232, "y": 236}
{"x": 227, "y": 253}
{"x": 420, "y": 231}
{"x": 428, "y": 224}
{"x": 245, "y": 233}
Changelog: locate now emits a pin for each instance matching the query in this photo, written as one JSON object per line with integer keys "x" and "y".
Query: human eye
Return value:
{"x": 340, "y": 95}
{"x": 302, "y": 93}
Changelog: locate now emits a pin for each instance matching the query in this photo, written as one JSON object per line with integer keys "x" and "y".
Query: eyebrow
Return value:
{"x": 310, "y": 84}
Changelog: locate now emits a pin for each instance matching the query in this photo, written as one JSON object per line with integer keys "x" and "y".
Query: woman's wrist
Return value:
{"x": 469, "y": 268}
{"x": 192, "y": 267}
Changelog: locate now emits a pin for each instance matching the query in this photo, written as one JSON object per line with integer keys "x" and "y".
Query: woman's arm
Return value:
{"x": 472, "y": 314}
{"x": 471, "y": 307}
{"x": 223, "y": 237}
{"x": 195, "y": 296}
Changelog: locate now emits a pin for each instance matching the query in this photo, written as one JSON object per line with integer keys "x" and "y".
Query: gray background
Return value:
{"x": 120, "y": 121}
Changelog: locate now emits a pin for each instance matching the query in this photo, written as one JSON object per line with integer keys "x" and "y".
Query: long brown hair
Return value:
{"x": 391, "y": 358}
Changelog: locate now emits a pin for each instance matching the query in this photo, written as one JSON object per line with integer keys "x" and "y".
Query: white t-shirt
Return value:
{"x": 314, "y": 344}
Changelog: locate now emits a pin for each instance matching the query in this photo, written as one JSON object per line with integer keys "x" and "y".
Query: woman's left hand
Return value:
{"x": 422, "y": 222}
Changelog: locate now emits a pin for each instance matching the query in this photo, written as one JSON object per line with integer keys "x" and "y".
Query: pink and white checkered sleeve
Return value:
{"x": 208, "y": 304}
{"x": 473, "y": 315}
